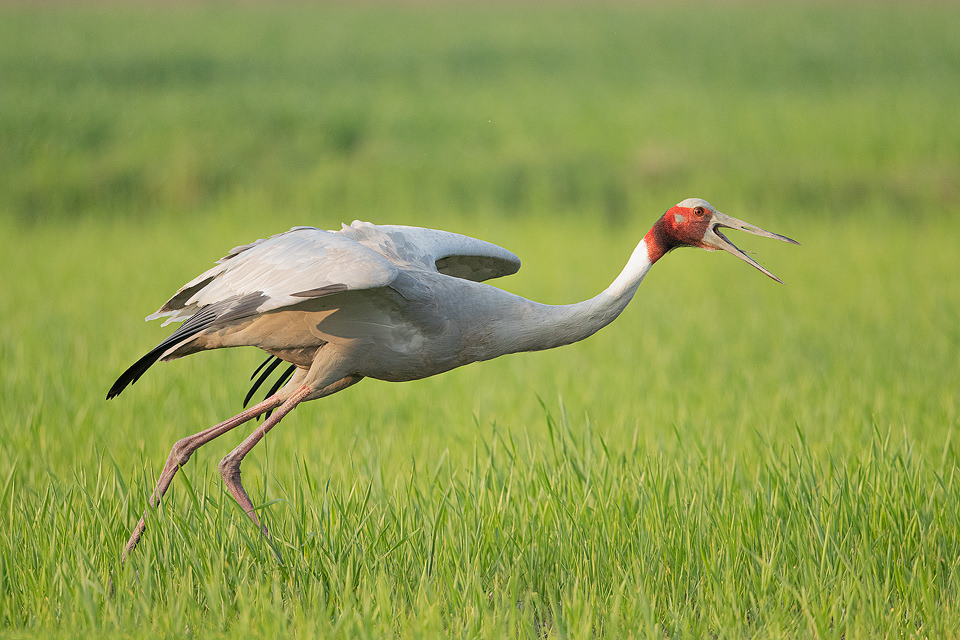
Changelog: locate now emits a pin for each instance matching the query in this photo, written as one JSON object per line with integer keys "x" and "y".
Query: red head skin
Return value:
{"x": 679, "y": 227}
{"x": 695, "y": 223}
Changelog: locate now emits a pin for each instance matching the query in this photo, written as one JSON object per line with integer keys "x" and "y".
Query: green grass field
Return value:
{"x": 731, "y": 458}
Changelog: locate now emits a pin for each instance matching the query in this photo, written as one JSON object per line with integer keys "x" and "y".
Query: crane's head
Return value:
{"x": 696, "y": 223}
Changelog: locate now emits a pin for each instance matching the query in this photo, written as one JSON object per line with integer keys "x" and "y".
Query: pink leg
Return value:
{"x": 181, "y": 452}
{"x": 230, "y": 465}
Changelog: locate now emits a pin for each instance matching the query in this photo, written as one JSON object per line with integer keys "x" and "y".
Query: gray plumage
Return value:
{"x": 289, "y": 271}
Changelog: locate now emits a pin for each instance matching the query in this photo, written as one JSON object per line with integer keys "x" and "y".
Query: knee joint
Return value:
{"x": 181, "y": 451}
{"x": 228, "y": 467}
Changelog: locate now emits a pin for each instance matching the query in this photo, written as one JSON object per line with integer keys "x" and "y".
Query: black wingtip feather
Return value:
{"x": 137, "y": 369}
{"x": 194, "y": 325}
{"x": 262, "y": 365}
{"x": 268, "y": 366}
{"x": 263, "y": 377}
{"x": 279, "y": 383}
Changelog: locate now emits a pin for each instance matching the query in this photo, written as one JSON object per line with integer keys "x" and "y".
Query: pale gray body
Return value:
{"x": 409, "y": 329}
{"x": 387, "y": 302}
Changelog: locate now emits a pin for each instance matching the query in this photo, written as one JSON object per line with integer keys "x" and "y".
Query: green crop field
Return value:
{"x": 731, "y": 458}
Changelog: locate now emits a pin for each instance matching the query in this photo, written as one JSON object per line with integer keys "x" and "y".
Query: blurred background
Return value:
{"x": 739, "y": 454}
{"x": 140, "y": 142}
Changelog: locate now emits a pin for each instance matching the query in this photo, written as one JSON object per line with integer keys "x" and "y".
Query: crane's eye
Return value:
{"x": 699, "y": 211}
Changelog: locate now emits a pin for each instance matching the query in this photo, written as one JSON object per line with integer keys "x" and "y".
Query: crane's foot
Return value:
{"x": 180, "y": 453}
{"x": 230, "y": 472}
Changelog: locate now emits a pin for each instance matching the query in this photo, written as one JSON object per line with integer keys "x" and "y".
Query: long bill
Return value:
{"x": 714, "y": 239}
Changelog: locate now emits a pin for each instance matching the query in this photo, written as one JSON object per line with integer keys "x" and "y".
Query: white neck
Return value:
{"x": 532, "y": 326}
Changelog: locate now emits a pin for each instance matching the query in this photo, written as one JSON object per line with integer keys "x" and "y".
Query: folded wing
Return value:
{"x": 448, "y": 253}
{"x": 307, "y": 262}
{"x": 279, "y": 271}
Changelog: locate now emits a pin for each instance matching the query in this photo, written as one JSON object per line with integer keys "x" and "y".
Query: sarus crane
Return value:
{"x": 394, "y": 303}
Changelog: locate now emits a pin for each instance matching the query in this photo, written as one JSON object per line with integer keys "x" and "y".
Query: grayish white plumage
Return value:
{"x": 394, "y": 303}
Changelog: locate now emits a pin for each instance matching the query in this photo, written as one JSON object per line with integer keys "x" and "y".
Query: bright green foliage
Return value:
{"x": 731, "y": 458}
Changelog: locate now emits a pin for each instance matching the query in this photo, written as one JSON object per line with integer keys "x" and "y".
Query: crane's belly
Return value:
{"x": 371, "y": 342}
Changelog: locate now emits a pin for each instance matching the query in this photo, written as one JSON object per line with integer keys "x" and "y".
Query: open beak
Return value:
{"x": 713, "y": 239}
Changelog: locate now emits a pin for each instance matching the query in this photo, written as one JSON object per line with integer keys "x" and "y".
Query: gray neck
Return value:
{"x": 531, "y": 326}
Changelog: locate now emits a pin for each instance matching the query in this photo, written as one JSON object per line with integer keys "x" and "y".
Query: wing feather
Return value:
{"x": 307, "y": 262}
{"x": 282, "y": 270}
{"x": 449, "y": 253}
